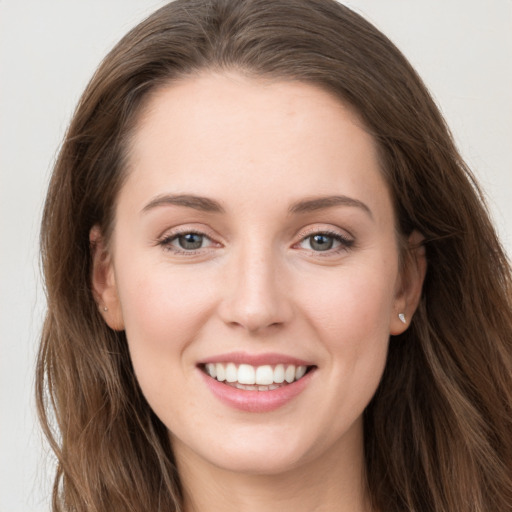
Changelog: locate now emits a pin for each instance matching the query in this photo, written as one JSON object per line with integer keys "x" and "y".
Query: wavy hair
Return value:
{"x": 438, "y": 432}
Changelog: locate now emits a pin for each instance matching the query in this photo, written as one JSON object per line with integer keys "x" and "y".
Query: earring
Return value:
{"x": 401, "y": 316}
{"x": 105, "y": 308}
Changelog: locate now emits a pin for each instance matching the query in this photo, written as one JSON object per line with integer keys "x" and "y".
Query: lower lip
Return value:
{"x": 256, "y": 401}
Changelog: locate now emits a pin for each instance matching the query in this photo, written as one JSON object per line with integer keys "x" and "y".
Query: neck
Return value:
{"x": 333, "y": 482}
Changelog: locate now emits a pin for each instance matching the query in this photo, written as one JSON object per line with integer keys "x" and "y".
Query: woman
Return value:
{"x": 271, "y": 280}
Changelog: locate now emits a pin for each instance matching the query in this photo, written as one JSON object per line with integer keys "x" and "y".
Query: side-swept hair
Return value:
{"x": 438, "y": 433}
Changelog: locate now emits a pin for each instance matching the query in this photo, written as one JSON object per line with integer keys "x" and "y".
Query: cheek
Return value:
{"x": 351, "y": 316}
{"x": 163, "y": 312}
{"x": 162, "y": 309}
{"x": 353, "y": 301}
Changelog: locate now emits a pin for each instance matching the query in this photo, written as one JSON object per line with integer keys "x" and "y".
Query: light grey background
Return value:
{"x": 48, "y": 51}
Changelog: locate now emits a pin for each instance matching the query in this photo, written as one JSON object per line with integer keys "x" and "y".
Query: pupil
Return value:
{"x": 190, "y": 241}
{"x": 321, "y": 242}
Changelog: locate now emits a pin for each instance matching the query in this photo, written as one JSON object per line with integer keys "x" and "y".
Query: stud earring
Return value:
{"x": 105, "y": 308}
{"x": 401, "y": 316}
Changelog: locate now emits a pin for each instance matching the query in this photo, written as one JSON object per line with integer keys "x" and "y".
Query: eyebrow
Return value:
{"x": 206, "y": 204}
{"x": 324, "y": 202}
{"x": 187, "y": 200}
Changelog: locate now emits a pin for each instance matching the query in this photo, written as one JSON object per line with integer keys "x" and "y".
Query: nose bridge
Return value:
{"x": 255, "y": 297}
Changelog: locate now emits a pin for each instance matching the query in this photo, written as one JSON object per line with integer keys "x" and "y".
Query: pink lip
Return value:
{"x": 270, "y": 358}
{"x": 256, "y": 401}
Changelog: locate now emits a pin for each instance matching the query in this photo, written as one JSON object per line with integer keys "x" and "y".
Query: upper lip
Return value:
{"x": 270, "y": 358}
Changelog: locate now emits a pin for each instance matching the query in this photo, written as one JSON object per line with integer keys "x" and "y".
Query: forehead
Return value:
{"x": 217, "y": 132}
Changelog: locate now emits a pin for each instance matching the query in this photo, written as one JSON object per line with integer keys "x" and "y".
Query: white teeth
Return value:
{"x": 279, "y": 374}
{"x": 289, "y": 374}
{"x": 221, "y": 372}
{"x": 246, "y": 387}
{"x": 300, "y": 372}
{"x": 231, "y": 373}
{"x": 246, "y": 374}
{"x": 264, "y": 375}
{"x": 262, "y": 378}
{"x": 211, "y": 370}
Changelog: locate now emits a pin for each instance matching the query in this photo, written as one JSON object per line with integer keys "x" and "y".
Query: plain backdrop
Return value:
{"x": 48, "y": 51}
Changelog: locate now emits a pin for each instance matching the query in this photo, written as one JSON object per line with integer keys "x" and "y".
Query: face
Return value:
{"x": 254, "y": 266}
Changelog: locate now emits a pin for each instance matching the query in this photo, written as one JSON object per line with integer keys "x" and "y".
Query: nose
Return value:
{"x": 255, "y": 295}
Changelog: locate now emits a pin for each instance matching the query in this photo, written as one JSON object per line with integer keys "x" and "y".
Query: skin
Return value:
{"x": 257, "y": 284}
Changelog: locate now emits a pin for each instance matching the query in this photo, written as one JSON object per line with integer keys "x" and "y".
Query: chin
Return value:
{"x": 249, "y": 453}
{"x": 264, "y": 463}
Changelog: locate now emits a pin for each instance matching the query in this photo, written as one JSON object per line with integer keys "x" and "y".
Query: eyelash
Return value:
{"x": 166, "y": 242}
{"x": 345, "y": 243}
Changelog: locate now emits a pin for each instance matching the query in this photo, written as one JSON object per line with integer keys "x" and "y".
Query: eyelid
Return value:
{"x": 325, "y": 229}
{"x": 345, "y": 239}
{"x": 182, "y": 229}
{"x": 172, "y": 234}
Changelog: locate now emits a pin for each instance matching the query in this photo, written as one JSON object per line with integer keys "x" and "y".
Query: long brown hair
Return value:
{"x": 438, "y": 432}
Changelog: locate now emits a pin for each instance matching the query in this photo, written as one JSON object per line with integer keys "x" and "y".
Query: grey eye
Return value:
{"x": 321, "y": 242}
{"x": 190, "y": 241}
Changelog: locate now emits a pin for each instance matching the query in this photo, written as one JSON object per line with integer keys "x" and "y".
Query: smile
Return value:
{"x": 255, "y": 378}
{"x": 256, "y": 383}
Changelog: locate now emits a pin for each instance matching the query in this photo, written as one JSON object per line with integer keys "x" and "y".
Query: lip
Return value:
{"x": 256, "y": 401}
{"x": 270, "y": 358}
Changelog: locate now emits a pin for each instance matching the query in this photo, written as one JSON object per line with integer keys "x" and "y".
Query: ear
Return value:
{"x": 103, "y": 281}
{"x": 410, "y": 284}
